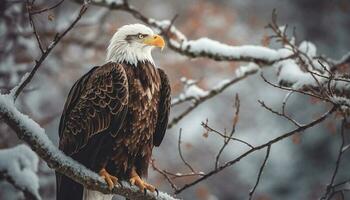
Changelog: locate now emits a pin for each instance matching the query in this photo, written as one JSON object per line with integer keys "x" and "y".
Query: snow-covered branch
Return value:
{"x": 298, "y": 67}
{"x": 35, "y": 136}
{"x": 202, "y": 47}
{"x": 18, "y": 166}
{"x": 197, "y": 96}
{"x": 31, "y": 132}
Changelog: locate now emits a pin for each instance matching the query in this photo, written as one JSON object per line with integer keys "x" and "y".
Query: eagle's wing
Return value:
{"x": 163, "y": 109}
{"x": 97, "y": 102}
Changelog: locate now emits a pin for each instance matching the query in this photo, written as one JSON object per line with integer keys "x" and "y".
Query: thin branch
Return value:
{"x": 29, "y": 6}
{"x": 47, "y": 9}
{"x": 294, "y": 90}
{"x": 47, "y": 51}
{"x": 330, "y": 186}
{"x": 208, "y": 128}
{"x": 211, "y": 93}
{"x": 35, "y": 136}
{"x": 180, "y": 153}
{"x": 285, "y": 100}
{"x": 251, "y": 193}
{"x": 279, "y": 113}
{"x": 164, "y": 174}
{"x": 271, "y": 142}
{"x": 176, "y": 39}
{"x": 227, "y": 140}
{"x": 181, "y": 175}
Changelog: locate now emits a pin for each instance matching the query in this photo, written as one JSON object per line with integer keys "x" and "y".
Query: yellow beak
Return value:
{"x": 154, "y": 40}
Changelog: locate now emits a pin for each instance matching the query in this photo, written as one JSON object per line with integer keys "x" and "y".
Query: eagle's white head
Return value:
{"x": 132, "y": 44}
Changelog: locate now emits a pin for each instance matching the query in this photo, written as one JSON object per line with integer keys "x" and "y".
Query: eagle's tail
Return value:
{"x": 67, "y": 189}
{"x": 95, "y": 195}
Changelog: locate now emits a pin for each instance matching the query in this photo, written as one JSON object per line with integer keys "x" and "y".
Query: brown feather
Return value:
{"x": 89, "y": 114}
{"x": 113, "y": 117}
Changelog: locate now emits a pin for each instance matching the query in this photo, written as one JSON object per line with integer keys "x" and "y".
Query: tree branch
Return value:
{"x": 241, "y": 74}
{"x": 330, "y": 187}
{"x": 35, "y": 136}
{"x": 251, "y": 193}
{"x": 269, "y": 143}
{"x": 26, "y": 79}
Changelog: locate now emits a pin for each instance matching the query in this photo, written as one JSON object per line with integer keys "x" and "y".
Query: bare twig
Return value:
{"x": 256, "y": 148}
{"x": 47, "y": 51}
{"x": 164, "y": 174}
{"x": 227, "y": 140}
{"x": 285, "y": 100}
{"x": 208, "y": 128}
{"x": 47, "y": 9}
{"x": 251, "y": 193}
{"x": 330, "y": 187}
{"x": 211, "y": 93}
{"x": 279, "y": 113}
{"x": 180, "y": 153}
{"x": 31, "y": 21}
{"x": 295, "y": 90}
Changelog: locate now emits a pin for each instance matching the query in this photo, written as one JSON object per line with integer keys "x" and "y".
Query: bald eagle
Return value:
{"x": 116, "y": 113}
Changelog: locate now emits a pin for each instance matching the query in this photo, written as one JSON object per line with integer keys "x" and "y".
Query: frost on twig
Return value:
{"x": 18, "y": 166}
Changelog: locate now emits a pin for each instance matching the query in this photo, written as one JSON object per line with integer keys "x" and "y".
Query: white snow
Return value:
{"x": 243, "y": 70}
{"x": 190, "y": 91}
{"x": 117, "y": 2}
{"x": 193, "y": 91}
{"x": 21, "y": 164}
{"x": 237, "y": 52}
{"x": 291, "y": 73}
{"x": 32, "y": 131}
{"x": 341, "y": 101}
{"x": 309, "y": 48}
{"x": 38, "y": 133}
{"x": 282, "y": 28}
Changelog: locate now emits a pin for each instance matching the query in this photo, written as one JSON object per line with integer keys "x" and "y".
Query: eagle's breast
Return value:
{"x": 135, "y": 138}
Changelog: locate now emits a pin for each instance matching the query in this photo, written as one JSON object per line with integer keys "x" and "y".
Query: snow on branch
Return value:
{"x": 31, "y": 132}
{"x": 202, "y": 47}
{"x": 205, "y": 47}
{"x": 298, "y": 66}
{"x": 18, "y": 165}
{"x": 197, "y": 96}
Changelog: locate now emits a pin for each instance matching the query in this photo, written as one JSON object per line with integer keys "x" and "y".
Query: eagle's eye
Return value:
{"x": 140, "y": 36}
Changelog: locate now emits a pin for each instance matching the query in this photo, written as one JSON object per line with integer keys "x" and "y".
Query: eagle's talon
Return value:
{"x": 157, "y": 191}
{"x": 110, "y": 180}
{"x": 120, "y": 183}
{"x": 142, "y": 185}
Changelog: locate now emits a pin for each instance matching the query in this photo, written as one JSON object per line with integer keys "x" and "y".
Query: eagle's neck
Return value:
{"x": 144, "y": 77}
{"x": 123, "y": 52}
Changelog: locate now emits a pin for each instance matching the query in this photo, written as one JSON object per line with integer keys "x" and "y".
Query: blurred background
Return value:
{"x": 298, "y": 167}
